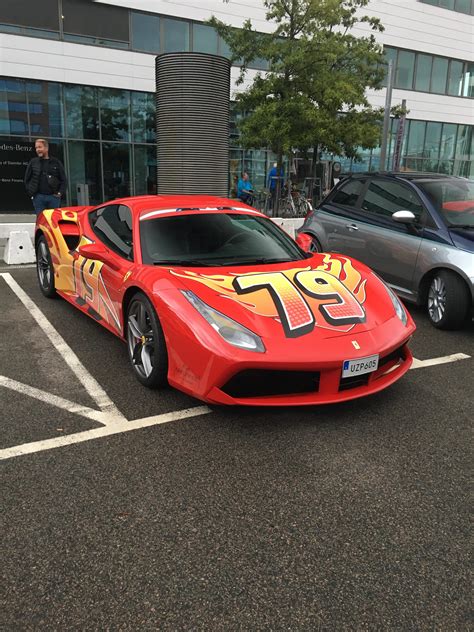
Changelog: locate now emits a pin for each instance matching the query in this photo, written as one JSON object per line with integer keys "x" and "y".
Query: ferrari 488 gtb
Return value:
{"x": 215, "y": 299}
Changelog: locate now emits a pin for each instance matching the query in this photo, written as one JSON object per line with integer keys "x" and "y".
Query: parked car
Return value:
{"x": 416, "y": 230}
{"x": 213, "y": 297}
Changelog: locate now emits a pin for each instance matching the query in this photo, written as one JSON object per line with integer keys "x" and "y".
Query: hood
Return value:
{"x": 323, "y": 296}
{"x": 463, "y": 238}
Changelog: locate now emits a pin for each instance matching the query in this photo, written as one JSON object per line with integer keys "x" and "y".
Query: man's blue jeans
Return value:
{"x": 41, "y": 201}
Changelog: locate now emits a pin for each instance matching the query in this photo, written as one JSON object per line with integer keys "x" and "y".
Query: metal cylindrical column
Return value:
{"x": 192, "y": 123}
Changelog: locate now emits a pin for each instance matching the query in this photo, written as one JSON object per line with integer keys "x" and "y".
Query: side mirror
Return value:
{"x": 403, "y": 217}
{"x": 98, "y": 252}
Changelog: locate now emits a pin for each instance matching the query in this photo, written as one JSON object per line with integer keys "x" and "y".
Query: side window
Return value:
{"x": 348, "y": 193}
{"x": 113, "y": 225}
{"x": 384, "y": 198}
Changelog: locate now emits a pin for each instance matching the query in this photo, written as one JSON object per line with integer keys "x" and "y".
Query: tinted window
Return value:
{"x": 146, "y": 32}
{"x": 42, "y": 15}
{"x": 384, "y": 198}
{"x": 405, "y": 67}
{"x": 13, "y": 107}
{"x": 113, "y": 225}
{"x": 93, "y": 18}
{"x": 205, "y": 39}
{"x": 423, "y": 72}
{"x": 348, "y": 193}
{"x": 175, "y": 35}
{"x": 214, "y": 239}
{"x": 453, "y": 198}
{"x": 439, "y": 76}
{"x": 82, "y": 109}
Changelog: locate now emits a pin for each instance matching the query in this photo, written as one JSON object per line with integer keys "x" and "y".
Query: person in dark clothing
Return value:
{"x": 45, "y": 178}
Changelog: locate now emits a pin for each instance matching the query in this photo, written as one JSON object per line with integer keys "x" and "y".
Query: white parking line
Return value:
{"x": 54, "y": 400}
{"x": 113, "y": 428}
{"x": 454, "y": 357}
{"x": 91, "y": 385}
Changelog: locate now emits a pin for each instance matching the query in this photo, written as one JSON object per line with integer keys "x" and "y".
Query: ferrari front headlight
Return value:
{"x": 232, "y": 332}
{"x": 397, "y": 304}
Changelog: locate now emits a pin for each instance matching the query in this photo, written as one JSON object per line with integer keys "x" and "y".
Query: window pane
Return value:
{"x": 113, "y": 224}
{"x": 224, "y": 49}
{"x": 145, "y": 170}
{"x": 205, "y": 39}
{"x": 175, "y": 35}
{"x": 447, "y": 4}
{"x": 15, "y": 154}
{"x": 455, "y": 78}
{"x": 115, "y": 114}
{"x": 143, "y": 113}
{"x": 84, "y": 168}
{"x": 448, "y": 141}
{"x": 416, "y": 139}
{"x": 390, "y": 54}
{"x": 145, "y": 32}
{"x": 464, "y": 144}
{"x": 463, "y": 6}
{"x": 13, "y": 109}
{"x": 405, "y": 68}
{"x": 82, "y": 109}
{"x": 439, "y": 76}
{"x": 385, "y": 198}
{"x": 44, "y": 104}
{"x": 468, "y": 87}
{"x": 116, "y": 159}
{"x": 432, "y": 144}
{"x": 93, "y": 18}
{"x": 41, "y": 15}
{"x": 349, "y": 193}
{"x": 423, "y": 72}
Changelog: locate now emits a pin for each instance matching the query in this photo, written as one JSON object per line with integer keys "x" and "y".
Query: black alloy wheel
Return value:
{"x": 146, "y": 343}
{"x": 44, "y": 268}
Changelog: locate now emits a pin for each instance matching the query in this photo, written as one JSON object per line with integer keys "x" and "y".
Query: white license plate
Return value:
{"x": 360, "y": 366}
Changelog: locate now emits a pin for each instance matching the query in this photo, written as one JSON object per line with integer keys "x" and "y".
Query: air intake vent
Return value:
{"x": 264, "y": 383}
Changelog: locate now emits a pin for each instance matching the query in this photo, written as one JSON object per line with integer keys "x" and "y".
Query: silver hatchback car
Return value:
{"x": 416, "y": 230}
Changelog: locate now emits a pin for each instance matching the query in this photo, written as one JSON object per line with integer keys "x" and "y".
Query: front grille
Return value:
{"x": 398, "y": 354}
{"x": 354, "y": 381}
{"x": 264, "y": 383}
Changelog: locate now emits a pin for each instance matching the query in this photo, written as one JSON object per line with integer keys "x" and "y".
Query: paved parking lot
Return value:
{"x": 130, "y": 509}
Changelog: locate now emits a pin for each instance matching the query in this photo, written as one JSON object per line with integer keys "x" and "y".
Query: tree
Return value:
{"x": 314, "y": 93}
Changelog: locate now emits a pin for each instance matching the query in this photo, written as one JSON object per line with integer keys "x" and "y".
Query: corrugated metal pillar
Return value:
{"x": 192, "y": 122}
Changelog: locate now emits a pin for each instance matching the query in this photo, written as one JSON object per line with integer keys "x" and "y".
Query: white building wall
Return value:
{"x": 408, "y": 24}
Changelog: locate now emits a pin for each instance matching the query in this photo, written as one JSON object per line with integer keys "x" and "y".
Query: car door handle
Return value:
{"x": 352, "y": 227}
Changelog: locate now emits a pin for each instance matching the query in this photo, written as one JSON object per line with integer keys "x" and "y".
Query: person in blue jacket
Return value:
{"x": 245, "y": 189}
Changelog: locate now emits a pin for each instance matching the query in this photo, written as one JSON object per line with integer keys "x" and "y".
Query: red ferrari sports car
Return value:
{"x": 215, "y": 299}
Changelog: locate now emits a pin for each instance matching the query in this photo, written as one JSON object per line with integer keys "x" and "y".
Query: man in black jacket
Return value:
{"x": 45, "y": 178}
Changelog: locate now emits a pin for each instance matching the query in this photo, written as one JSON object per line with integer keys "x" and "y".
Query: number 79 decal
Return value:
{"x": 338, "y": 306}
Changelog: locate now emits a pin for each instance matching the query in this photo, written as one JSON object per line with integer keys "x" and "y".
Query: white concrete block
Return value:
{"x": 19, "y": 248}
{"x": 289, "y": 225}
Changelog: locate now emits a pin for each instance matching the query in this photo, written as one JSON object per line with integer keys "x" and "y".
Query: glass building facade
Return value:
{"x": 106, "y": 139}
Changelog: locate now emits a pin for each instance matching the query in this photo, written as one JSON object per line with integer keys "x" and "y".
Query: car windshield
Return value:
{"x": 215, "y": 239}
{"x": 453, "y": 198}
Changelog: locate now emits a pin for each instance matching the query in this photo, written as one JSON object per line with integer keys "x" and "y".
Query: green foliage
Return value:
{"x": 314, "y": 91}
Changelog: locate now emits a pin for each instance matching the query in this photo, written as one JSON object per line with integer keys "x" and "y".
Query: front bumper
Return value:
{"x": 291, "y": 375}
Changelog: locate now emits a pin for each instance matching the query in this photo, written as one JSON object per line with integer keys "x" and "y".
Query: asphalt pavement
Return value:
{"x": 345, "y": 517}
